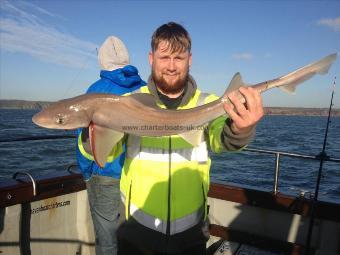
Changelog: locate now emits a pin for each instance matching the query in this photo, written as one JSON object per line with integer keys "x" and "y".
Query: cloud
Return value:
{"x": 37, "y": 8}
{"x": 332, "y": 23}
{"x": 243, "y": 56}
{"x": 23, "y": 30}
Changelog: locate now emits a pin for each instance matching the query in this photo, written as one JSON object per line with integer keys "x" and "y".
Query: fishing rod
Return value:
{"x": 323, "y": 156}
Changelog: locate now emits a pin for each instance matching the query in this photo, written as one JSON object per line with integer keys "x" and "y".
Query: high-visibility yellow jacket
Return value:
{"x": 165, "y": 180}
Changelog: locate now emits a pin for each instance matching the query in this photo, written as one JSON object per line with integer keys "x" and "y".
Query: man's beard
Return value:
{"x": 166, "y": 88}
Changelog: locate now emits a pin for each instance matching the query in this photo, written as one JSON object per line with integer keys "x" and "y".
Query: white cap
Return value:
{"x": 113, "y": 54}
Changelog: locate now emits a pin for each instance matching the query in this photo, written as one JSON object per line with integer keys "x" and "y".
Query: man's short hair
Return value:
{"x": 177, "y": 37}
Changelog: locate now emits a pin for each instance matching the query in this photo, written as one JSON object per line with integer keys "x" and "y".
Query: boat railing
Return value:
{"x": 278, "y": 155}
{"x": 31, "y": 178}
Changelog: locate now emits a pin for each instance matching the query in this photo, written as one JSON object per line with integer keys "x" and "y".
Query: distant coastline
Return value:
{"x": 36, "y": 105}
{"x": 301, "y": 111}
{"x": 23, "y": 104}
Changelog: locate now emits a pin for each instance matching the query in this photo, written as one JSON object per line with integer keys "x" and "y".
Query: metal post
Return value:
{"x": 277, "y": 171}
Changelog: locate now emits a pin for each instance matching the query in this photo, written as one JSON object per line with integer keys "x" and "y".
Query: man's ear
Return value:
{"x": 150, "y": 58}
{"x": 190, "y": 59}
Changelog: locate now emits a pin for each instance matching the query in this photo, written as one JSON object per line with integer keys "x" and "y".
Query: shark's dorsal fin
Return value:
{"x": 102, "y": 141}
{"x": 235, "y": 83}
{"x": 145, "y": 99}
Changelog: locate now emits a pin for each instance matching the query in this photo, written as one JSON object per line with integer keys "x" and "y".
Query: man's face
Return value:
{"x": 169, "y": 69}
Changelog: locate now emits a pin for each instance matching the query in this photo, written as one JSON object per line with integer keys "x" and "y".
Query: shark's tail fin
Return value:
{"x": 324, "y": 64}
{"x": 320, "y": 67}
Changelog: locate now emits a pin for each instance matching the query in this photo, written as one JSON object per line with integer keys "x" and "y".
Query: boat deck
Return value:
{"x": 252, "y": 246}
{"x": 223, "y": 247}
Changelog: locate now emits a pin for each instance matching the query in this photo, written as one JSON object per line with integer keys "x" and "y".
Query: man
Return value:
{"x": 165, "y": 180}
{"x": 116, "y": 77}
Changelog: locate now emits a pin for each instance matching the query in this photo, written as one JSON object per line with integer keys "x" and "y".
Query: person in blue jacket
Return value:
{"x": 116, "y": 77}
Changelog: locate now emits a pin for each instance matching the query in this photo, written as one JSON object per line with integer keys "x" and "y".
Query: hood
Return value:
{"x": 125, "y": 77}
{"x": 113, "y": 54}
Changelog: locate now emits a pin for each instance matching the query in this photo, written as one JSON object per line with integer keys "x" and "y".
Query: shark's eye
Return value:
{"x": 60, "y": 119}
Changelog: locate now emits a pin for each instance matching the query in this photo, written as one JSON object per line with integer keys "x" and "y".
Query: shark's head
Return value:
{"x": 65, "y": 114}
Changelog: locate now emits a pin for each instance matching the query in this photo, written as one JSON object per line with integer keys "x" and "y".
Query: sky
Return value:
{"x": 48, "y": 49}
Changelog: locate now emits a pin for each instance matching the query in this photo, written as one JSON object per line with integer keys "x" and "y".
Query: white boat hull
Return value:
{"x": 57, "y": 219}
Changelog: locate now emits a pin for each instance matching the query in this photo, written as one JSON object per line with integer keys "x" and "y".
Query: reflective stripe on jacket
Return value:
{"x": 165, "y": 180}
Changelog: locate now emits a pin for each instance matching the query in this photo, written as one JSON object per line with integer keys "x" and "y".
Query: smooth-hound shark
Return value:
{"x": 110, "y": 116}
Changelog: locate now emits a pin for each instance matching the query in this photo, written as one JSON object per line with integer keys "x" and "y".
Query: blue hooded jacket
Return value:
{"x": 119, "y": 82}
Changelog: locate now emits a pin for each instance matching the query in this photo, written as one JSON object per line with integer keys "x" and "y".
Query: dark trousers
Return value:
{"x": 127, "y": 248}
{"x": 104, "y": 199}
{"x": 136, "y": 239}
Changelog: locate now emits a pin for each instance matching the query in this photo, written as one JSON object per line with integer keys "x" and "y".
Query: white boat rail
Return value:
{"x": 278, "y": 155}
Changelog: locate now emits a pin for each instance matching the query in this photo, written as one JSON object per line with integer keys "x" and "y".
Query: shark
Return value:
{"x": 109, "y": 117}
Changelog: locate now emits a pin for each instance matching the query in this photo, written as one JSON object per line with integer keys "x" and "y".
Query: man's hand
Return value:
{"x": 244, "y": 116}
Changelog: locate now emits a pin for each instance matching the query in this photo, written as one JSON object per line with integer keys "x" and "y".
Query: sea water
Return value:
{"x": 296, "y": 134}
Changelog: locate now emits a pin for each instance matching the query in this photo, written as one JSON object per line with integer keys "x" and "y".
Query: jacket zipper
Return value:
{"x": 129, "y": 200}
{"x": 169, "y": 194}
{"x": 204, "y": 200}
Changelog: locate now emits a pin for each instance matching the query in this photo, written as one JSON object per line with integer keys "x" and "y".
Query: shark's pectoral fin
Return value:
{"x": 193, "y": 137}
{"x": 102, "y": 141}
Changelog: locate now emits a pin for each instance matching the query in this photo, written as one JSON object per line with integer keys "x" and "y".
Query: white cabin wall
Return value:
{"x": 260, "y": 221}
{"x": 10, "y": 232}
